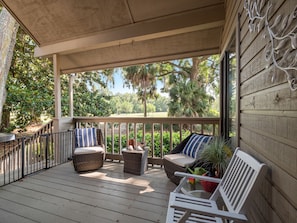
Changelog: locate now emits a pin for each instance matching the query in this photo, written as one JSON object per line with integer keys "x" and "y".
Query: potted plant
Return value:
{"x": 216, "y": 156}
{"x": 197, "y": 171}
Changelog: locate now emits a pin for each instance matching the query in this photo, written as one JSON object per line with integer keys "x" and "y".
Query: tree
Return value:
{"x": 8, "y": 31}
{"x": 192, "y": 84}
{"x": 29, "y": 85}
{"x": 161, "y": 104}
{"x": 143, "y": 79}
{"x": 90, "y": 96}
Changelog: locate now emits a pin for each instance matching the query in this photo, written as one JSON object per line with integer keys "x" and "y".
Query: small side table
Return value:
{"x": 197, "y": 192}
{"x": 135, "y": 162}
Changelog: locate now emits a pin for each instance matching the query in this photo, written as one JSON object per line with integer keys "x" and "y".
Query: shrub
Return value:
{"x": 148, "y": 141}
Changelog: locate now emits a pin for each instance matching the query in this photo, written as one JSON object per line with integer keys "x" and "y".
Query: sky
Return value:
{"x": 119, "y": 85}
{"x": 120, "y": 88}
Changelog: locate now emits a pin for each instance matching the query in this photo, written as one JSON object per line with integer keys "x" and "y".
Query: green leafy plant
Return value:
{"x": 196, "y": 171}
{"x": 216, "y": 156}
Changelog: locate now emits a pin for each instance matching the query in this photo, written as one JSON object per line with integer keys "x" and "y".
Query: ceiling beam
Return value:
{"x": 198, "y": 43}
{"x": 200, "y": 19}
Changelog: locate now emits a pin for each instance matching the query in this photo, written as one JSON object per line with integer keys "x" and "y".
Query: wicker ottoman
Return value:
{"x": 135, "y": 162}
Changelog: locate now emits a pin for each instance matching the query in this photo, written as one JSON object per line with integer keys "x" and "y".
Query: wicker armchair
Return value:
{"x": 180, "y": 160}
{"x": 89, "y": 152}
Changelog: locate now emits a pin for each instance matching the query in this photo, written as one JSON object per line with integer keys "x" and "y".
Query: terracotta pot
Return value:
{"x": 208, "y": 186}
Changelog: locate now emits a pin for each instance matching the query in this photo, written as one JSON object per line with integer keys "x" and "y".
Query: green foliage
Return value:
{"x": 148, "y": 141}
{"x": 192, "y": 85}
{"x": 143, "y": 79}
{"x": 29, "y": 84}
{"x": 150, "y": 107}
{"x": 188, "y": 99}
{"x": 129, "y": 103}
{"x": 161, "y": 104}
{"x": 30, "y": 88}
{"x": 217, "y": 154}
{"x": 89, "y": 99}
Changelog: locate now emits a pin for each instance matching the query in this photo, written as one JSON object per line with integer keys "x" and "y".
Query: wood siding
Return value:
{"x": 268, "y": 117}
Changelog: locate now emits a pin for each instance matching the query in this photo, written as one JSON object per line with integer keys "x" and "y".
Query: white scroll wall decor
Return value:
{"x": 281, "y": 35}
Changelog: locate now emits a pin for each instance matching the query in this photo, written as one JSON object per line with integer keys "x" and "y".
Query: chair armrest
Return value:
{"x": 198, "y": 177}
{"x": 209, "y": 211}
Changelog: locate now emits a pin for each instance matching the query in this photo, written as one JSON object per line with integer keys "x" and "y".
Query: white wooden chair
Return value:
{"x": 238, "y": 183}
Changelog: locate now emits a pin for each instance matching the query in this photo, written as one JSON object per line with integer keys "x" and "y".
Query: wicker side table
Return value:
{"x": 135, "y": 162}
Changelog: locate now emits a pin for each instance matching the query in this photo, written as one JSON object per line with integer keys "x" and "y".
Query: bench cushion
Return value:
{"x": 85, "y": 137}
{"x": 195, "y": 145}
{"x": 180, "y": 159}
{"x": 88, "y": 150}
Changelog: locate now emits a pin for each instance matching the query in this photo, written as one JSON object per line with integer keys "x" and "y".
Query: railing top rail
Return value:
{"x": 169, "y": 120}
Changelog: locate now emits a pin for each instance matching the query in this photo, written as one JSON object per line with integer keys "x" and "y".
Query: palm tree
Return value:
{"x": 143, "y": 79}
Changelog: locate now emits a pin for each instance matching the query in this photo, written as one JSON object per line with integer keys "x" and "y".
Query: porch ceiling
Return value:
{"x": 97, "y": 34}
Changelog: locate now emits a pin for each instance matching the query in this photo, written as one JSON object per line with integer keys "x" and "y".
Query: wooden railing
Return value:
{"x": 45, "y": 149}
{"x": 29, "y": 154}
{"x": 161, "y": 135}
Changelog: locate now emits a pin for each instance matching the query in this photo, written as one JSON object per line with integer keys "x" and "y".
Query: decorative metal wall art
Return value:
{"x": 281, "y": 33}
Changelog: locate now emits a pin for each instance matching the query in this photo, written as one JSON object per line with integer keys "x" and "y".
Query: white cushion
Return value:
{"x": 180, "y": 159}
{"x": 88, "y": 150}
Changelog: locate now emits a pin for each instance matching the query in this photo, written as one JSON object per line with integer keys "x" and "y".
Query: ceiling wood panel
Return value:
{"x": 92, "y": 34}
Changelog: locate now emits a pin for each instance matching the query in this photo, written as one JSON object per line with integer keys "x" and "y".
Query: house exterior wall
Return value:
{"x": 267, "y": 114}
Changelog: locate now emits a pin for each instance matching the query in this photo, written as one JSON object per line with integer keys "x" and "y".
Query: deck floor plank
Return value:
{"x": 106, "y": 195}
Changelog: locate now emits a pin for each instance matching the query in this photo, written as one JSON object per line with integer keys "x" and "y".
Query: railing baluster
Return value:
{"x": 135, "y": 131}
{"x": 120, "y": 137}
{"x": 161, "y": 139}
{"x": 153, "y": 140}
{"x": 46, "y": 151}
{"x": 171, "y": 141}
{"x": 23, "y": 157}
{"x": 112, "y": 137}
{"x": 143, "y": 132}
{"x": 127, "y": 133}
{"x": 105, "y": 133}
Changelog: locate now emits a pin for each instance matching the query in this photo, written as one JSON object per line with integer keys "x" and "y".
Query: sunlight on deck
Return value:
{"x": 129, "y": 180}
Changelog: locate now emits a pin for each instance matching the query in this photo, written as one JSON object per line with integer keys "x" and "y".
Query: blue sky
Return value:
{"x": 120, "y": 88}
{"x": 119, "y": 85}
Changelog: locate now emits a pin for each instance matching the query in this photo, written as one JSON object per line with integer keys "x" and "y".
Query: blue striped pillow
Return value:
{"x": 195, "y": 145}
{"x": 85, "y": 137}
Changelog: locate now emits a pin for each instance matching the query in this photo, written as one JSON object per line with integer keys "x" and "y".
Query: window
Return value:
{"x": 228, "y": 94}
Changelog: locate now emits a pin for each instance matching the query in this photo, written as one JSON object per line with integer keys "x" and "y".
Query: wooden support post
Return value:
{"x": 71, "y": 80}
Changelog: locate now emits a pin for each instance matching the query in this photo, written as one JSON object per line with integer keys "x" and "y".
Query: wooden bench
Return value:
{"x": 238, "y": 183}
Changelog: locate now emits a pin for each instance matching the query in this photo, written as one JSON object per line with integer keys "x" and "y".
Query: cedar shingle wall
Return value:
{"x": 268, "y": 118}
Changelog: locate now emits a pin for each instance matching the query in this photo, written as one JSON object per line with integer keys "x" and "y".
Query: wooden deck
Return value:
{"x": 107, "y": 195}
